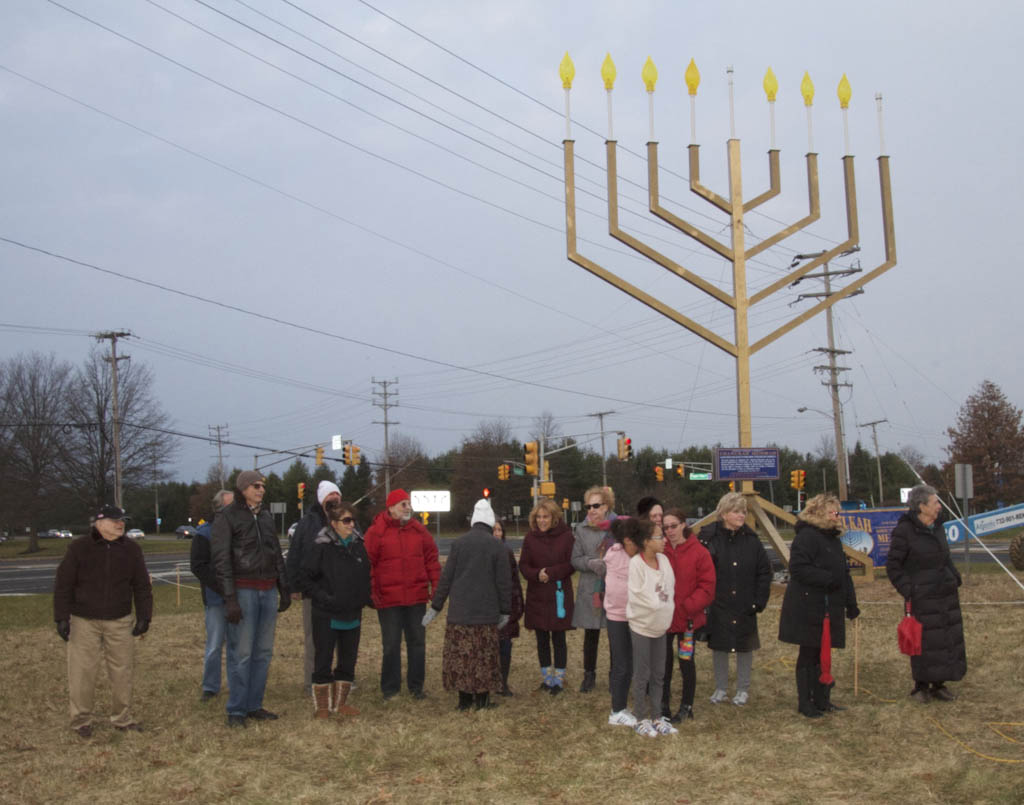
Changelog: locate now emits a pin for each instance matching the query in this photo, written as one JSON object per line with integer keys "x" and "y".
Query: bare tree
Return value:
{"x": 492, "y": 432}
{"x": 34, "y": 390}
{"x": 545, "y": 426}
{"x": 826, "y": 448}
{"x": 912, "y": 456}
{"x": 88, "y": 460}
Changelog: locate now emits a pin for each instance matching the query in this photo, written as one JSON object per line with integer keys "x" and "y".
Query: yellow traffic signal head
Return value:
{"x": 531, "y": 457}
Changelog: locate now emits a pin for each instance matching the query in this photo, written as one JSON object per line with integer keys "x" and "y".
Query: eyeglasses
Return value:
{"x": 347, "y": 520}
{"x": 259, "y": 486}
{"x": 592, "y": 505}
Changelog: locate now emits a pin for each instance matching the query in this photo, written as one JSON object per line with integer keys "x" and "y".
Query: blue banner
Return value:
{"x": 870, "y": 530}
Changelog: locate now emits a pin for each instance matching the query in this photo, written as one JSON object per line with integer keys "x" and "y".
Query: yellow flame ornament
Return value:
{"x": 692, "y": 77}
{"x": 807, "y": 89}
{"x": 649, "y": 74}
{"x": 844, "y": 92}
{"x": 608, "y": 71}
{"x": 566, "y": 71}
{"x": 771, "y": 85}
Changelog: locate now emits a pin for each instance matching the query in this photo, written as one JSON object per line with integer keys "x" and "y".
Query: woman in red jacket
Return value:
{"x": 695, "y": 589}
{"x": 546, "y": 564}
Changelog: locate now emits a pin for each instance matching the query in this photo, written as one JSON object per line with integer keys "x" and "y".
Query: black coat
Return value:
{"x": 921, "y": 569}
{"x": 743, "y": 583}
{"x": 818, "y": 573}
{"x": 309, "y": 526}
{"x": 336, "y": 577}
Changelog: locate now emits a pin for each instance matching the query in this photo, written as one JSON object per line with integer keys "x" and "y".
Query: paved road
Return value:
{"x": 25, "y": 577}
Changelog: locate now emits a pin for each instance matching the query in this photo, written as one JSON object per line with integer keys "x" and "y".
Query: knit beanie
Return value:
{"x": 396, "y": 496}
{"x": 483, "y": 513}
{"x": 324, "y": 489}
{"x": 247, "y": 478}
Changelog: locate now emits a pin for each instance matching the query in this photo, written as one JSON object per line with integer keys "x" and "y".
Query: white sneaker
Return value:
{"x": 646, "y": 729}
{"x": 663, "y": 727}
{"x": 623, "y": 718}
{"x": 741, "y": 698}
{"x": 719, "y": 696}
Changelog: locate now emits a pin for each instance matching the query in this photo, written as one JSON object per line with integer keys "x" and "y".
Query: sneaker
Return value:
{"x": 719, "y": 696}
{"x": 663, "y": 727}
{"x": 741, "y": 698}
{"x": 646, "y": 729}
{"x": 623, "y": 718}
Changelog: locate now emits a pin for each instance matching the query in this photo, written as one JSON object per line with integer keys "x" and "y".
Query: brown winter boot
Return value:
{"x": 321, "y": 701}
{"x": 341, "y": 691}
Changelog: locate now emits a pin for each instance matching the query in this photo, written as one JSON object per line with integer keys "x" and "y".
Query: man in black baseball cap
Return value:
{"x": 97, "y": 581}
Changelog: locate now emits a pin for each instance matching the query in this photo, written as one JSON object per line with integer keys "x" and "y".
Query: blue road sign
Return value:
{"x": 986, "y": 523}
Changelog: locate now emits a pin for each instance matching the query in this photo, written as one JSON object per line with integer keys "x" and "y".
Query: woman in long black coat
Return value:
{"x": 921, "y": 569}
{"x": 743, "y": 582}
{"x": 819, "y": 582}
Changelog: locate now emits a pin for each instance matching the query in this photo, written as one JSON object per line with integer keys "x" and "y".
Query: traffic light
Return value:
{"x": 531, "y": 457}
{"x": 732, "y": 486}
{"x": 659, "y": 474}
{"x": 547, "y": 471}
{"x": 628, "y": 444}
{"x": 319, "y": 456}
{"x": 547, "y": 489}
{"x": 346, "y": 454}
{"x": 486, "y": 492}
{"x": 802, "y": 478}
{"x": 504, "y": 471}
{"x": 679, "y": 470}
{"x": 797, "y": 479}
{"x": 302, "y": 491}
{"x": 565, "y": 503}
{"x": 425, "y": 517}
{"x": 355, "y": 455}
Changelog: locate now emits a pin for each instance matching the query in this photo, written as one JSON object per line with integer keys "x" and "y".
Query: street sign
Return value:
{"x": 336, "y": 443}
{"x": 746, "y": 463}
{"x": 431, "y": 500}
{"x": 700, "y": 476}
{"x": 278, "y": 508}
{"x": 668, "y": 463}
{"x": 963, "y": 480}
{"x": 517, "y": 470}
{"x": 986, "y": 523}
{"x": 516, "y": 511}
{"x": 905, "y": 493}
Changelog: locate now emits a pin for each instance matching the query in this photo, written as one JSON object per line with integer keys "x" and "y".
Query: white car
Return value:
{"x": 135, "y": 533}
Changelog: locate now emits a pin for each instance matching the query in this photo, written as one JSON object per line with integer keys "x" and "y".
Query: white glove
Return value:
{"x": 503, "y": 621}
{"x": 429, "y": 616}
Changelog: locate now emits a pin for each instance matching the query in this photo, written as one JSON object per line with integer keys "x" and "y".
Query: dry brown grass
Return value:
{"x": 532, "y": 748}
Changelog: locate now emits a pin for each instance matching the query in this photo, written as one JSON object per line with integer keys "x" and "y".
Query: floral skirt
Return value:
{"x": 470, "y": 659}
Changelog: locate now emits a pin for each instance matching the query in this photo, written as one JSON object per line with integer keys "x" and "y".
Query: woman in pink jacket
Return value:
{"x": 695, "y": 590}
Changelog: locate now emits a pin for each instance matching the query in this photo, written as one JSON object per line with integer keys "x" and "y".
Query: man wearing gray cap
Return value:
{"x": 97, "y": 580}
{"x": 250, "y": 572}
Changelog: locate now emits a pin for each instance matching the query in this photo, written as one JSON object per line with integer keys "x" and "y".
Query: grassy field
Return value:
{"x": 533, "y": 748}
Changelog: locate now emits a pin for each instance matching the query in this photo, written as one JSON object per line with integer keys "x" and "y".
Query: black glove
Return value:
{"x": 141, "y": 627}
{"x": 284, "y": 602}
{"x": 853, "y": 612}
{"x": 64, "y": 630}
{"x": 232, "y": 611}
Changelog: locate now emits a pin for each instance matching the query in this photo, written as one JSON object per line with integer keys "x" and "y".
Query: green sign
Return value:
{"x": 700, "y": 476}
{"x": 518, "y": 470}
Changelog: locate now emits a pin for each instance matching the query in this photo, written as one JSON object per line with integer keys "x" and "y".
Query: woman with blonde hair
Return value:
{"x": 819, "y": 585}
{"x": 546, "y": 563}
{"x": 743, "y": 580}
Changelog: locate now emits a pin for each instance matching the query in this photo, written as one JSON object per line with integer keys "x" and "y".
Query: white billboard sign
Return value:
{"x": 431, "y": 500}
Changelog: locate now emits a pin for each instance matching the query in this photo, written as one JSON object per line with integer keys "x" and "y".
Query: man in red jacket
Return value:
{"x": 405, "y": 571}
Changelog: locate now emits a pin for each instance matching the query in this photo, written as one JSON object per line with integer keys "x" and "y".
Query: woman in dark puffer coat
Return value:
{"x": 921, "y": 569}
{"x": 546, "y": 564}
{"x": 819, "y": 582}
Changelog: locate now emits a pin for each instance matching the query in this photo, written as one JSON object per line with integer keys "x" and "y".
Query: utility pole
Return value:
{"x": 878, "y": 456}
{"x": 156, "y": 496}
{"x": 219, "y": 438}
{"x": 112, "y": 336}
{"x": 600, "y": 418}
{"x": 381, "y": 399}
{"x": 842, "y": 458}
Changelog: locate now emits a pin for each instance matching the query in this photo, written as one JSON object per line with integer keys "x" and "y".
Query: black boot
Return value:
{"x": 589, "y": 679}
{"x": 822, "y": 693}
{"x": 685, "y": 713}
{"x": 805, "y": 679}
{"x": 506, "y": 663}
{"x": 465, "y": 700}
{"x": 483, "y": 701}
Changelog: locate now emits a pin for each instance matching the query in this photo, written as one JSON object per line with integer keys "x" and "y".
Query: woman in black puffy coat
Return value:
{"x": 819, "y": 582}
{"x": 921, "y": 569}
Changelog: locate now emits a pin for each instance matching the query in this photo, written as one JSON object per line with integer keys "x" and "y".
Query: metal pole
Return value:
{"x": 112, "y": 360}
{"x": 384, "y": 404}
{"x": 604, "y": 472}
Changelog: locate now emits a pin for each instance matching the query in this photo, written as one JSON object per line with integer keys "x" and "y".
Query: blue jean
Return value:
{"x": 250, "y": 648}
{"x": 216, "y": 633}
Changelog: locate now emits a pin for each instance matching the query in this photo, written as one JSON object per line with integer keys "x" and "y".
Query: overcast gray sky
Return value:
{"x": 405, "y": 205}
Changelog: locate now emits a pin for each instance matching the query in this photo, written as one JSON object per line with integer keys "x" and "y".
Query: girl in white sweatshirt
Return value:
{"x": 649, "y": 611}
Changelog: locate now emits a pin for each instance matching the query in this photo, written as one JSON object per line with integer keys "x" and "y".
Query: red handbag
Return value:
{"x": 908, "y": 633}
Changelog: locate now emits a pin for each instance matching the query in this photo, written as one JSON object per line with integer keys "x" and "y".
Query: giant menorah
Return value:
{"x": 736, "y": 251}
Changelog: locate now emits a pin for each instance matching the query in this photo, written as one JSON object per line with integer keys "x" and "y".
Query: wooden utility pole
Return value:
{"x": 112, "y": 336}
{"x": 604, "y": 458}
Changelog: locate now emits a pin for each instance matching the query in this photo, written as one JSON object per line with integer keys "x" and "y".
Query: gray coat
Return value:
{"x": 586, "y": 558}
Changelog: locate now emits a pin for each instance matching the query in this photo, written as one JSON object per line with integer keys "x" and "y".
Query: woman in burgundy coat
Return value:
{"x": 695, "y": 590}
{"x": 546, "y": 564}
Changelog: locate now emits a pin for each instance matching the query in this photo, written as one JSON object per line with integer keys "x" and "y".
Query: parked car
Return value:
{"x": 185, "y": 532}
{"x": 66, "y": 535}
{"x": 135, "y": 533}
{"x": 51, "y": 533}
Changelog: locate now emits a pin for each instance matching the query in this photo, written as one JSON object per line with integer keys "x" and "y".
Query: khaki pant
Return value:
{"x": 91, "y": 641}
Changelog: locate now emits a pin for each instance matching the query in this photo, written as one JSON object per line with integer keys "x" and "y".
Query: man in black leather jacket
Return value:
{"x": 250, "y": 572}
